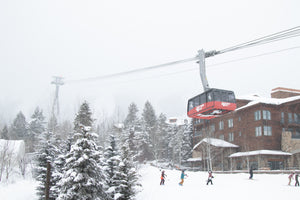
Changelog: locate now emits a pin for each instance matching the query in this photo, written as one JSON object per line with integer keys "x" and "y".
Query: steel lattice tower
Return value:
{"x": 58, "y": 81}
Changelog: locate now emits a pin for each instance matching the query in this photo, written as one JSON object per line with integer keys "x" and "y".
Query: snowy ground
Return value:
{"x": 19, "y": 190}
{"x": 226, "y": 186}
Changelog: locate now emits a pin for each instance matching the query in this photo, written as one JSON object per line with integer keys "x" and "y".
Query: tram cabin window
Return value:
{"x": 209, "y": 96}
{"x": 202, "y": 98}
{"x": 191, "y": 104}
{"x": 231, "y": 97}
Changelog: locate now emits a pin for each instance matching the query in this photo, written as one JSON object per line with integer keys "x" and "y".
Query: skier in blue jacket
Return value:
{"x": 182, "y": 177}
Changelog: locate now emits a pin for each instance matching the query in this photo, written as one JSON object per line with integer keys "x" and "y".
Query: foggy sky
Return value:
{"x": 81, "y": 39}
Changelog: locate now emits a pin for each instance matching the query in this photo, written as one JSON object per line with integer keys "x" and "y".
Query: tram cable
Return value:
{"x": 289, "y": 33}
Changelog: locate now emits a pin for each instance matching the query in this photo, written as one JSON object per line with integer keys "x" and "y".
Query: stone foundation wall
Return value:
{"x": 288, "y": 144}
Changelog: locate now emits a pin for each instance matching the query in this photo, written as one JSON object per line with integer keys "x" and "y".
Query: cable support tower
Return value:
{"x": 58, "y": 81}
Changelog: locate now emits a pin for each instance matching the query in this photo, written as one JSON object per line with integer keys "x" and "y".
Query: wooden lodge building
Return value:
{"x": 263, "y": 133}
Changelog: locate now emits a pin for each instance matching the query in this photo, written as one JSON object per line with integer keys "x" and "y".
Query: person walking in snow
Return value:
{"x": 210, "y": 177}
{"x": 251, "y": 173}
{"x": 296, "y": 179}
{"x": 162, "y": 178}
{"x": 291, "y": 177}
{"x": 182, "y": 177}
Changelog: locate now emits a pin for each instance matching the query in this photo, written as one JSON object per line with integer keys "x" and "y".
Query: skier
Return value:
{"x": 210, "y": 177}
{"x": 182, "y": 177}
{"x": 162, "y": 178}
{"x": 296, "y": 179}
{"x": 291, "y": 177}
{"x": 251, "y": 173}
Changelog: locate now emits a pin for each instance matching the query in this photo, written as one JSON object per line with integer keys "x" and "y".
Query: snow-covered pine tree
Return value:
{"x": 162, "y": 134}
{"x": 83, "y": 117}
{"x": 65, "y": 129}
{"x": 131, "y": 115}
{"x": 4, "y": 133}
{"x": 36, "y": 128}
{"x": 128, "y": 176}
{"x": 19, "y": 127}
{"x": 112, "y": 161}
{"x": 46, "y": 153}
{"x": 57, "y": 174}
{"x": 83, "y": 178}
{"x": 149, "y": 128}
{"x": 132, "y": 126}
{"x": 150, "y": 120}
{"x": 64, "y": 147}
{"x": 143, "y": 145}
{"x": 187, "y": 143}
{"x": 175, "y": 134}
{"x": 53, "y": 124}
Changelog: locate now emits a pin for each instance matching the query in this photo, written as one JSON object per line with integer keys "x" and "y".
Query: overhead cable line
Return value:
{"x": 293, "y": 32}
{"x": 136, "y": 70}
{"x": 208, "y": 66}
{"x": 289, "y": 33}
{"x": 258, "y": 55}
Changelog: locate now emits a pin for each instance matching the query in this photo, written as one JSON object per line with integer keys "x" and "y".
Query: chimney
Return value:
{"x": 281, "y": 92}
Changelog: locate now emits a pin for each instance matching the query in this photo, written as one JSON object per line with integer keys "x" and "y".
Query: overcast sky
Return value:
{"x": 81, "y": 39}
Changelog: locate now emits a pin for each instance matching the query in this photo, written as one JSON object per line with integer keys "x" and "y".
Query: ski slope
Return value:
{"x": 226, "y": 186}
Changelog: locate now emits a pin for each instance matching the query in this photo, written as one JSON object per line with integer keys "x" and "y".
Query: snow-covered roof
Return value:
{"x": 119, "y": 125}
{"x": 217, "y": 143}
{"x": 178, "y": 121}
{"x": 260, "y": 152}
{"x": 194, "y": 159}
{"x": 255, "y": 99}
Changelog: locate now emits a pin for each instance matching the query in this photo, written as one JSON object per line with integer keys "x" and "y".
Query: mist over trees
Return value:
{"x": 98, "y": 158}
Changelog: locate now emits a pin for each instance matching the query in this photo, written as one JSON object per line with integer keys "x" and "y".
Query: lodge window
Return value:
{"x": 221, "y": 137}
{"x": 267, "y": 130}
{"x": 221, "y": 125}
{"x": 198, "y": 133}
{"x": 296, "y": 118}
{"x": 290, "y": 118}
{"x": 282, "y": 118}
{"x": 240, "y": 133}
{"x": 296, "y": 134}
{"x": 258, "y": 131}
{"x": 266, "y": 115}
{"x": 212, "y": 128}
{"x": 230, "y": 123}
{"x": 275, "y": 165}
{"x": 257, "y": 115}
{"x": 231, "y": 137}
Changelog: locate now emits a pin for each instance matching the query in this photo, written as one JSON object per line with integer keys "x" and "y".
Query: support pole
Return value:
{"x": 201, "y": 62}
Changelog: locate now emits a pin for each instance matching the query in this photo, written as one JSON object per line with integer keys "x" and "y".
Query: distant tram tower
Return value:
{"x": 58, "y": 81}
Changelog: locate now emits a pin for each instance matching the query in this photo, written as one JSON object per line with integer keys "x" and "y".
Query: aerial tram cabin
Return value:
{"x": 212, "y": 102}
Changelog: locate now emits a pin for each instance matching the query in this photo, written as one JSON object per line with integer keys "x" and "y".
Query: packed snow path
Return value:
{"x": 225, "y": 186}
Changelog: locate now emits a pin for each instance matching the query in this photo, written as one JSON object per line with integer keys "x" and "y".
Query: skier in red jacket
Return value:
{"x": 210, "y": 177}
{"x": 162, "y": 178}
